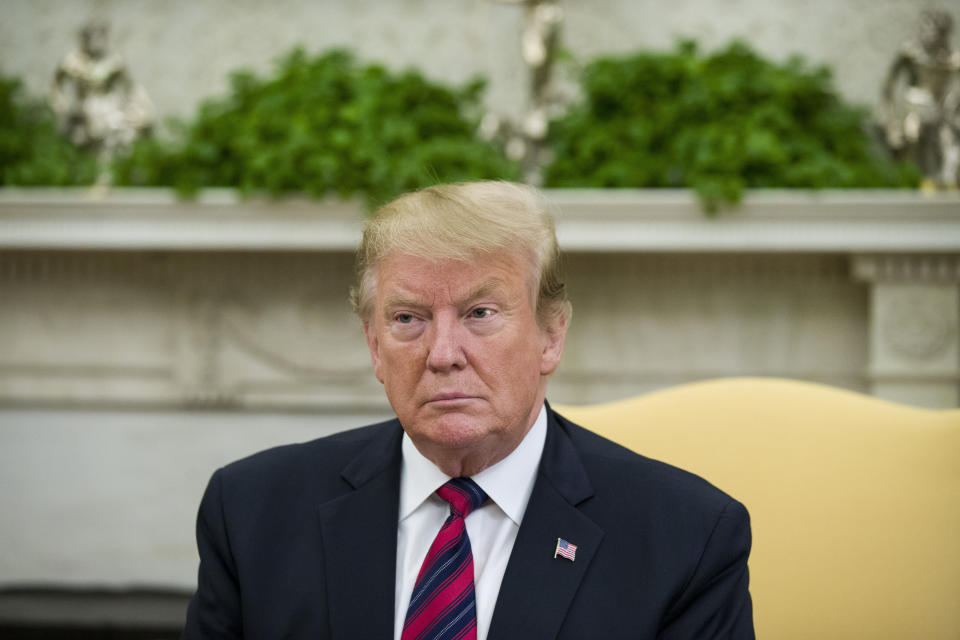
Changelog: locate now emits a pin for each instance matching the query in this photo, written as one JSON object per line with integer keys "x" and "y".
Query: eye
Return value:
{"x": 404, "y": 318}
{"x": 481, "y": 312}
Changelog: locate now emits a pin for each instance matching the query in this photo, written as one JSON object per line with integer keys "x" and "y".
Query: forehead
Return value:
{"x": 504, "y": 273}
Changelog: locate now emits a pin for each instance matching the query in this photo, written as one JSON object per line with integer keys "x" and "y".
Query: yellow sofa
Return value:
{"x": 854, "y": 501}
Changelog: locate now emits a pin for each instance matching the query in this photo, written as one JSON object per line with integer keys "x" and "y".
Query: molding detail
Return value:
{"x": 850, "y": 221}
{"x": 589, "y": 220}
{"x": 918, "y": 323}
{"x": 192, "y": 329}
{"x": 198, "y": 337}
{"x": 943, "y": 269}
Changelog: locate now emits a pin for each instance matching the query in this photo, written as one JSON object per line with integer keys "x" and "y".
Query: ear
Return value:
{"x": 373, "y": 343}
{"x": 552, "y": 340}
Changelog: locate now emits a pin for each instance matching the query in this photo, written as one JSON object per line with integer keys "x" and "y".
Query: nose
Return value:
{"x": 445, "y": 344}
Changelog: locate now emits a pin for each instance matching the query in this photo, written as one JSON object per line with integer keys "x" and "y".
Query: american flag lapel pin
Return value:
{"x": 565, "y": 549}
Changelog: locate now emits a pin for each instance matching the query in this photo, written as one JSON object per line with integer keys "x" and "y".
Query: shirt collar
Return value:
{"x": 509, "y": 483}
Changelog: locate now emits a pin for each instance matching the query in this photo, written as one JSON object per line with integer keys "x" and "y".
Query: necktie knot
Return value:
{"x": 463, "y": 494}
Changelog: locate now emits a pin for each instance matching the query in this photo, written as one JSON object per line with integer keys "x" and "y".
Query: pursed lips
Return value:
{"x": 450, "y": 397}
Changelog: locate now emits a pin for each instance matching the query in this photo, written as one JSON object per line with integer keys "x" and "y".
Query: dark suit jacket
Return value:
{"x": 300, "y": 542}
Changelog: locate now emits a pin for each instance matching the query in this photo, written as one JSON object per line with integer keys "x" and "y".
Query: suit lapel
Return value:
{"x": 537, "y": 588}
{"x": 359, "y": 537}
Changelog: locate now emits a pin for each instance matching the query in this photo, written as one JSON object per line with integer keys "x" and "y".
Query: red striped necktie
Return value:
{"x": 443, "y": 605}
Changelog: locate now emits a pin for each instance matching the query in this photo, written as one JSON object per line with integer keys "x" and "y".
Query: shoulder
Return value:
{"x": 670, "y": 540}
{"x": 623, "y": 477}
{"x": 329, "y": 447}
{"x": 659, "y": 518}
{"x": 311, "y": 466}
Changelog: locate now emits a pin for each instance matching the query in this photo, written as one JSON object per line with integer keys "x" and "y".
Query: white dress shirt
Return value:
{"x": 492, "y": 528}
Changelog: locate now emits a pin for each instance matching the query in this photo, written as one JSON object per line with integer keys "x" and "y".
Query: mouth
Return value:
{"x": 452, "y": 398}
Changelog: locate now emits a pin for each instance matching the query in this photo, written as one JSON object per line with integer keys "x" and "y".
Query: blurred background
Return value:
{"x": 744, "y": 188}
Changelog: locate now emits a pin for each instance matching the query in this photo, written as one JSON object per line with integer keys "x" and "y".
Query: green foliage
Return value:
{"x": 31, "y": 150}
{"x": 717, "y": 123}
{"x": 324, "y": 125}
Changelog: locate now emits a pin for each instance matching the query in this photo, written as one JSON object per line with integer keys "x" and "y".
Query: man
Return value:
{"x": 478, "y": 512}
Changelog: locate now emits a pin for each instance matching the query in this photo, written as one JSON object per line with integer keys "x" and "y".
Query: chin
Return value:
{"x": 453, "y": 430}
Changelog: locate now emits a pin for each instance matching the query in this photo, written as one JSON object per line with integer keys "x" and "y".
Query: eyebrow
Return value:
{"x": 489, "y": 288}
{"x": 485, "y": 289}
{"x": 395, "y": 301}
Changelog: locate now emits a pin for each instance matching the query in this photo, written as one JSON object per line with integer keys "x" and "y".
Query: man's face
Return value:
{"x": 460, "y": 354}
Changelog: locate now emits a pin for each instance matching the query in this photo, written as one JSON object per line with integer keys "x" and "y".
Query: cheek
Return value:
{"x": 398, "y": 365}
{"x": 516, "y": 364}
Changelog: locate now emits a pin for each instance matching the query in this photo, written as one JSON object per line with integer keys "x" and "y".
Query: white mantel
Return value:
{"x": 589, "y": 220}
{"x": 167, "y": 250}
{"x": 208, "y": 290}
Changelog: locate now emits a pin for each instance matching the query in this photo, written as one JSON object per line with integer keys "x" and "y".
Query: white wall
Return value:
{"x": 110, "y": 497}
{"x": 182, "y": 50}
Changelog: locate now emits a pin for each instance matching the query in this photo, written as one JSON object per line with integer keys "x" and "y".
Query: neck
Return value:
{"x": 469, "y": 462}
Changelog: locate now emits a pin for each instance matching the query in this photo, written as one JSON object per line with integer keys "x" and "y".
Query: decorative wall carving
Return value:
{"x": 915, "y": 326}
{"x": 226, "y": 329}
{"x": 919, "y": 322}
{"x": 908, "y": 268}
{"x": 216, "y": 329}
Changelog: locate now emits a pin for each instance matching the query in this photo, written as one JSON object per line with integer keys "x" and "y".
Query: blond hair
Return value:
{"x": 459, "y": 222}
